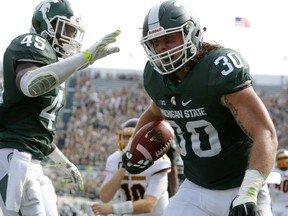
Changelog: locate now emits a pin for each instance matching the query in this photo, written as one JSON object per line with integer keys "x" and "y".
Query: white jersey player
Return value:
{"x": 279, "y": 191}
{"x": 142, "y": 194}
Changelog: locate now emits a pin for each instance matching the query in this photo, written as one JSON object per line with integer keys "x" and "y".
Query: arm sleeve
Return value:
{"x": 44, "y": 79}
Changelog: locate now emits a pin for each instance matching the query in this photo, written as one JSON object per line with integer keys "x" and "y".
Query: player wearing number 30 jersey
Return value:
{"x": 226, "y": 137}
{"x": 204, "y": 128}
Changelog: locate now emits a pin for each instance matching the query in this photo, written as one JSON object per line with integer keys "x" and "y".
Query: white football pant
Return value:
{"x": 39, "y": 198}
{"x": 199, "y": 201}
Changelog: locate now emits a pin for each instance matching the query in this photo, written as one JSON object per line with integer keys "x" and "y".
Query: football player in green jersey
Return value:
{"x": 35, "y": 68}
{"x": 226, "y": 137}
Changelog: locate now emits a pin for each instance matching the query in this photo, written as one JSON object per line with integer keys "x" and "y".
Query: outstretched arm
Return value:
{"x": 34, "y": 80}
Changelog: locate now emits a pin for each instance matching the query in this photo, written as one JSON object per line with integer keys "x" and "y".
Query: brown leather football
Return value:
{"x": 152, "y": 141}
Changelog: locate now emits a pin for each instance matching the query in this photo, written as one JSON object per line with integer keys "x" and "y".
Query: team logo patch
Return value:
{"x": 185, "y": 103}
{"x": 173, "y": 101}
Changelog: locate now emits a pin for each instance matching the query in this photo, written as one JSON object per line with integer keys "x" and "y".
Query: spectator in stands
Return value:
{"x": 142, "y": 194}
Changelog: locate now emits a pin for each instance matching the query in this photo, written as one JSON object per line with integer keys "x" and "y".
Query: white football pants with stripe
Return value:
{"x": 34, "y": 191}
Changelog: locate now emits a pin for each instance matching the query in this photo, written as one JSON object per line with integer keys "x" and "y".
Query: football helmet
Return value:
{"x": 56, "y": 21}
{"x": 125, "y": 132}
{"x": 166, "y": 18}
{"x": 282, "y": 159}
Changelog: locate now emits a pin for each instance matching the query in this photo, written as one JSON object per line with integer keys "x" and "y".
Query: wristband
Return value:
{"x": 252, "y": 182}
{"x": 88, "y": 55}
{"x": 58, "y": 157}
{"x": 123, "y": 208}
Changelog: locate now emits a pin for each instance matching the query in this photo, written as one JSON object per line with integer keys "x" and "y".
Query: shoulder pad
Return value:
{"x": 228, "y": 71}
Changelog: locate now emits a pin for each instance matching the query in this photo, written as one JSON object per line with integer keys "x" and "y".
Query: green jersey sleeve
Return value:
{"x": 228, "y": 72}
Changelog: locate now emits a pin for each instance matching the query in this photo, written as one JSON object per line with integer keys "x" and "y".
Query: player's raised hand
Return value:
{"x": 100, "y": 49}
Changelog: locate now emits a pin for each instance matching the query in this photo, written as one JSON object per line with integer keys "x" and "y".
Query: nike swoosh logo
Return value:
{"x": 186, "y": 103}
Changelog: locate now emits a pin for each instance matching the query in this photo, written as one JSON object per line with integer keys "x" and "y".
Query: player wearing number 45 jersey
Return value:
{"x": 226, "y": 137}
{"x": 35, "y": 67}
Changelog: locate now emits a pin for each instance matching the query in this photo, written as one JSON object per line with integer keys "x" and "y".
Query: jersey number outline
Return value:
{"x": 38, "y": 43}
{"x": 135, "y": 192}
{"x": 49, "y": 112}
{"x": 192, "y": 127}
{"x": 231, "y": 61}
{"x": 235, "y": 59}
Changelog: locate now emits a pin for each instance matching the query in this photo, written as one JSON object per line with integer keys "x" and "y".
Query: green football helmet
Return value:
{"x": 56, "y": 21}
{"x": 166, "y": 18}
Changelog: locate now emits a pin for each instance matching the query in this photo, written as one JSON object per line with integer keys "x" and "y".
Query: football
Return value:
{"x": 152, "y": 141}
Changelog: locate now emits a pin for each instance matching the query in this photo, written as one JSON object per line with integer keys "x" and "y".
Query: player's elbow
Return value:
{"x": 270, "y": 136}
{"x": 34, "y": 84}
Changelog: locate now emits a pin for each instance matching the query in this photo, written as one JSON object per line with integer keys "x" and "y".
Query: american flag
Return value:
{"x": 242, "y": 22}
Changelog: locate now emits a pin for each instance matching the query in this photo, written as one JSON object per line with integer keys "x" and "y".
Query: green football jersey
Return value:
{"x": 213, "y": 147}
{"x": 28, "y": 124}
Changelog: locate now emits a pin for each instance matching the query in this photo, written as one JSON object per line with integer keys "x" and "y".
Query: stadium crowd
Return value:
{"x": 89, "y": 134}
